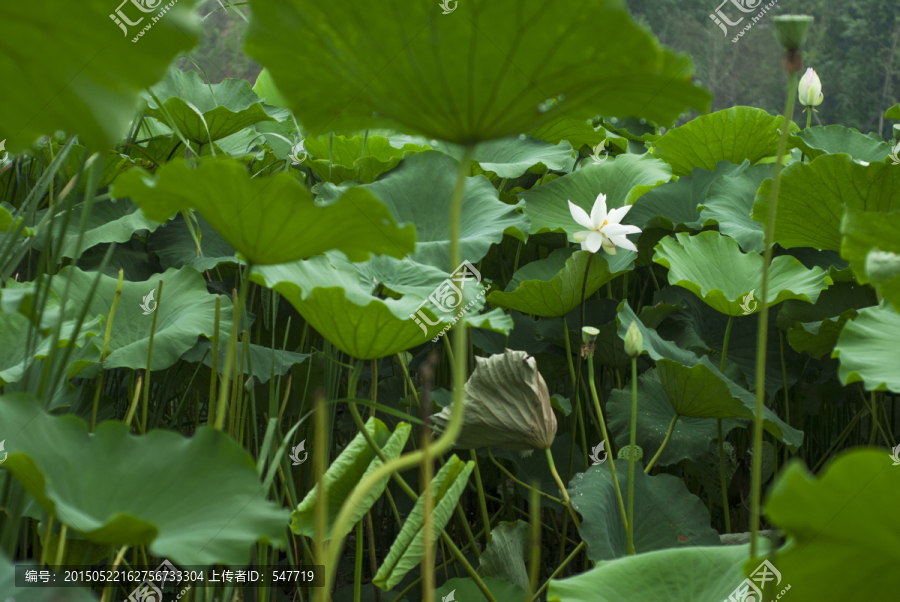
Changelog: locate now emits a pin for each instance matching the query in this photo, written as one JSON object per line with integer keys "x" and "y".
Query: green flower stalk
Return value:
{"x": 633, "y": 345}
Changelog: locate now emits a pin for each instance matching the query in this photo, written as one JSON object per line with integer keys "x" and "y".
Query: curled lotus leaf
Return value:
{"x": 507, "y": 405}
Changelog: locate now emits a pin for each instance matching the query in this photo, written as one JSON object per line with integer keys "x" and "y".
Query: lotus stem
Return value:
{"x": 612, "y": 463}
{"x": 663, "y": 446}
{"x": 562, "y": 488}
{"x": 587, "y": 270}
{"x": 482, "y": 502}
{"x": 211, "y": 413}
{"x": 146, "y": 400}
{"x": 106, "y": 337}
{"x": 534, "y": 569}
{"x": 509, "y": 475}
{"x": 232, "y": 348}
{"x": 357, "y": 576}
{"x": 320, "y": 462}
{"x": 558, "y": 570}
{"x": 756, "y": 469}
{"x": 631, "y": 455}
{"x": 724, "y": 487}
{"x": 454, "y": 425}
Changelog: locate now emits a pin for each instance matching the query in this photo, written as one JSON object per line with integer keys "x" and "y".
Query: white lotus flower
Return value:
{"x": 603, "y": 230}
{"x": 811, "y": 89}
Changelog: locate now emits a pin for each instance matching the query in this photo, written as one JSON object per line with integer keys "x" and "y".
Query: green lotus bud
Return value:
{"x": 791, "y": 30}
{"x": 634, "y": 341}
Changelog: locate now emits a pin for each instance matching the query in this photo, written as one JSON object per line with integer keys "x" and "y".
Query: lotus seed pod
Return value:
{"x": 791, "y": 30}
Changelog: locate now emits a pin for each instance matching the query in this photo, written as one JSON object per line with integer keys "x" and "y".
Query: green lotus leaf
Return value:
{"x": 729, "y": 203}
{"x": 90, "y": 72}
{"x": 690, "y": 574}
{"x": 240, "y": 208}
{"x": 840, "y": 522}
{"x": 616, "y": 177}
{"x": 691, "y": 436}
{"x": 666, "y": 514}
{"x": 578, "y": 133}
{"x": 360, "y": 159}
{"x": 700, "y": 391}
{"x": 869, "y": 236}
{"x": 512, "y": 157}
{"x": 8, "y": 588}
{"x": 175, "y": 247}
{"x": 267, "y": 91}
{"x": 712, "y": 267}
{"x": 348, "y": 67}
{"x": 259, "y": 365}
{"x": 675, "y": 205}
{"x": 868, "y": 350}
{"x": 830, "y": 139}
{"x": 507, "y": 405}
{"x": 686, "y": 378}
{"x": 814, "y": 195}
{"x": 117, "y": 489}
{"x": 342, "y": 301}
{"x": 408, "y": 549}
{"x": 185, "y": 312}
{"x": 109, "y": 221}
{"x": 419, "y": 191}
{"x": 893, "y": 112}
{"x": 504, "y": 556}
{"x": 354, "y": 464}
{"x": 552, "y": 287}
{"x": 205, "y": 112}
{"x": 464, "y": 588}
{"x": 733, "y": 135}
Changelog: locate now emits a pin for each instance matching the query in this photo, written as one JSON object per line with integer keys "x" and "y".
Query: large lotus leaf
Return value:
{"x": 9, "y": 591}
{"x": 578, "y": 133}
{"x": 712, "y": 267}
{"x": 732, "y": 135}
{"x": 409, "y": 547}
{"x": 351, "y": 65}
{"x": 843, "y": 523}
{"x": 814, "y": 195}
{"x": 175, "y": 246}
{"x": 419, "y": 191}
{"x": 262, "y": 360}
{"x": 185, "y": 312}
{"x": 341, "y": 302}
{"x": 666, "y": 514}
{"x": 340, "y": 159}
{"x": 701, "y": 391}
{"x": 505, "y": 555}
{"x": 675, "y": 205}
{"x": 464, "y": 589}
{"x": 685, "y": 376}
{"x": 690, "y": 438}
{"x": 830, "y": 139}
{"x": 729, "y": 203}
{"x": 871, "y": 242}
{"x": 553, "y": 286}
{"x": 513, "y": 156}
{"x": 691, "y": 574}
{"x": 81, "y": 74}
{"x": 109, "y": 221}
{"x": 117, "y": 489}
{"x": 354, "y": 464}
{"x": 507, "y": 405}
{"x": 23, "y": 344}
{"x": 548, "y": 210}
{"x": 267, "y": 91}
{"x": 868, "y": 350}
{"x": 205, "y": 112}
{"x": 241, "y": 209}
